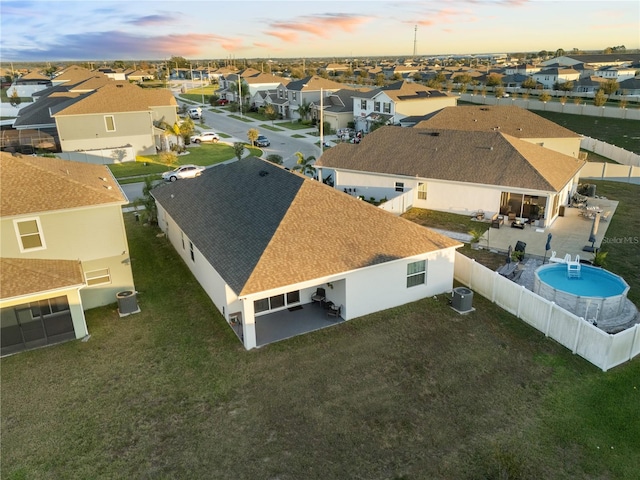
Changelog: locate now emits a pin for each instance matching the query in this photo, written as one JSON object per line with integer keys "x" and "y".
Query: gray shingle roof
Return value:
{"x": 262, "y": 227}
{"x": 489, "y": 158}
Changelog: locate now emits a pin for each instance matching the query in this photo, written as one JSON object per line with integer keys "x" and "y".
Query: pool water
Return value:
{"x": 593, "y": 282}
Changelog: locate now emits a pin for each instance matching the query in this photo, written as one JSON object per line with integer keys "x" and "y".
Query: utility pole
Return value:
{"x": 321, "y": 123}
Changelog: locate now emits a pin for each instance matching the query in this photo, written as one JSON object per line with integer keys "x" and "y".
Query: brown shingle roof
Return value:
{"x": 354, "y": 235}
{"x": 23, "y": 276}
{"x": 120, "y": 97}
{"x": 261, "y": 241}
{"x": 39, "y": 184}
{"x": 490, "y": 158}
{"x": 515, "y": 121}
{"x": 33, "y": 75}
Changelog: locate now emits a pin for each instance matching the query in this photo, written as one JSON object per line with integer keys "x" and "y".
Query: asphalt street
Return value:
{"x": 281, "y": 142}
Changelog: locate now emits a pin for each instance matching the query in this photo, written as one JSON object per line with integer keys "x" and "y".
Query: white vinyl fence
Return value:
{"x": 598, "y": 347}
{"x": 400, "y": 204}
{"x": 103, "y": 156}
{"x": 611, "y": 171}
{"x": 617, "y": 154}
{"x": 532, "y": 103}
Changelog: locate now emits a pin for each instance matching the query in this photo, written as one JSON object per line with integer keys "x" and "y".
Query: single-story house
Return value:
{"x": 454, "y": 171}
{"x": 262, "y": 240}
{"x": 515, "y": 121}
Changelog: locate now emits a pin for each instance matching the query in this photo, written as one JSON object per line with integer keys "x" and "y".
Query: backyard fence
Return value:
{"x": 607, "y": 150}
{"x": 602, "y": 349}
{"x": 611, "y": 171}
{"x": 400, "y": 204}
{"x": 102, "y": 156}
{"x": 557, "y": 107}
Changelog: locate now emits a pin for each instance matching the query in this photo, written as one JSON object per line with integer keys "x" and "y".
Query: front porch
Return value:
{"x": 288, "y": 323}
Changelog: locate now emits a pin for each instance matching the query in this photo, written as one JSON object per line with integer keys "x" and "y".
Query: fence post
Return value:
{"x": 473, "y": 262}
{"x": 578, "y": 332}
{"x": 636, "y": 337}
{"x": 606, "y": 355}
{"x": 493, "y": 287}
{"x": 546, "y": 330}
{"x": 519, "y": 301}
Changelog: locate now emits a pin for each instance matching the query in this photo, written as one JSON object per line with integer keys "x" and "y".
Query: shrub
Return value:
{"x": 168, "y": 158}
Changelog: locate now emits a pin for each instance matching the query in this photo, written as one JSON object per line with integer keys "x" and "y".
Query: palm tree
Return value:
{"x": 305, "y": 165}
{"x": 304, "y": 109}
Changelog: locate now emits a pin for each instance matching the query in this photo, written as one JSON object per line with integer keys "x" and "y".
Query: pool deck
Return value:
{"x": 569, "y": 234}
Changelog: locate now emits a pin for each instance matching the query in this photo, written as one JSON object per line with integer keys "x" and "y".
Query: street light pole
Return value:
{"x": 239, "y": 95}
{"x": 321, "y": 123}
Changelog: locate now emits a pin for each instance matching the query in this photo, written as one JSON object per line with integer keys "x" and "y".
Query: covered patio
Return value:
{"x": 570, "y": 233}
{"x": 288, "y": 323}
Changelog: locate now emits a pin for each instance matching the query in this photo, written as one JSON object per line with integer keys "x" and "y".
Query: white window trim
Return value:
{"x": 100, "y": 273}
{"x": 39, "y": 225}
{"x": 106, "y": 125}
{"x": 421, "y": 272}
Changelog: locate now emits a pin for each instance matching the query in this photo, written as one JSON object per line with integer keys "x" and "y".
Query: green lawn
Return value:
{"x": 414, "y": 392}
{"x": 293, "y": 125}
{"x": 271, "y": 127}
{"x": 622, "y": 133}
{"x": 241, "y": 118}
{"x": 203, "y": 154}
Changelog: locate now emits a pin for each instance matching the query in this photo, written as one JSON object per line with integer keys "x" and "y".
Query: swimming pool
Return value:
{"x": 597, "y": 295}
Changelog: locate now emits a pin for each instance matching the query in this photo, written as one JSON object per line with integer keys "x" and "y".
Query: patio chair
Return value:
{"x": 320, "y": 296}
{"x": 334, "y": 310}
{"x": 512, "y": 216}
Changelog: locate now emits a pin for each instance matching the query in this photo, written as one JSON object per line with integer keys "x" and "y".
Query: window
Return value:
{"x": 294, "y": 96}
{"x": 376, "y": 106}
{"x": 29, "y": 233}
{"x": 386, "y": 107}
{"x": 110, "y": 123}
{"x": 416, "y": 273}
{"x": 193, "y": 256}
{"x": 399, "y": 187}
{"x": 279, "y": 93}
{"x": 363, "y": 104}
{"x": 422, "y": 191}
{"x": 98, "y": 277}
{"x": 182, "y": 238}
{"x": 276, "y": 302}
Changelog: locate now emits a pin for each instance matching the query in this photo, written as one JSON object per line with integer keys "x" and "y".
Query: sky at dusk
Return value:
{"x": 130, "y": 30}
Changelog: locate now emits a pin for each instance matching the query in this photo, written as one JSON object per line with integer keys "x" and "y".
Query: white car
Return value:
{"x": 183, "y": 171}
{"x": 205, "y": 137}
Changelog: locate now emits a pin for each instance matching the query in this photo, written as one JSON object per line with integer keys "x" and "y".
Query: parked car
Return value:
{"x": 262, "y": 141}
{"x": 183, "y": 171}
{"x": 205, "y": 137}
{"x": 223, "y": 101}
{"x": 195, "y": 113}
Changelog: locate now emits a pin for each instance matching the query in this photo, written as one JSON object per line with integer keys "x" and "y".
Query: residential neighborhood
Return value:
{"x": 350, "y": 257}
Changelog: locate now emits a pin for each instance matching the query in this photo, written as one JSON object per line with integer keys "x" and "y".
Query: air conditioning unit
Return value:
{"x": 127, "y": 303}
{"x": 462, "y": 300}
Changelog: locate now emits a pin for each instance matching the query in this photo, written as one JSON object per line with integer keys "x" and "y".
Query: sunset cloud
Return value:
{"x": 316, "y": 25}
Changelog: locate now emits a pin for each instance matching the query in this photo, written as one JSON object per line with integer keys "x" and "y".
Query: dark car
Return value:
{"x": 262, "y": 141}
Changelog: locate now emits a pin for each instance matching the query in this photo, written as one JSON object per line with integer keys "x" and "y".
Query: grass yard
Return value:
{"x": 622, "y": 133}
{"x": 203, "y": 154}
{"x": 294, "y": 125}
{"x": 271, "y": 127}
{"x": 242, "y": 119}
{"x": 413, "y": 392}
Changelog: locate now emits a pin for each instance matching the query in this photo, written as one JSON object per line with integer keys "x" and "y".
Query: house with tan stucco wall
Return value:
{"x": 63, "y": 248}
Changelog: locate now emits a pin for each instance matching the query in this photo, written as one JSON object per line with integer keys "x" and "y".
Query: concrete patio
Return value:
{"x": 570, "y": 233}
{"x": 285, "y": 324}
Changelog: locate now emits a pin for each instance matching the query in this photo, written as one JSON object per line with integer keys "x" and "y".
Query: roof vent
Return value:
{"x": 263, "y": 173}
{"x": 104, "y": 179}
{"x": 519, "y": 129}
{"x": 435, "y": 134}
{"x": 484, "y": 109}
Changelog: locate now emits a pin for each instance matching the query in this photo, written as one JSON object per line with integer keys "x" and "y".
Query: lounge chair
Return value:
{"x": 605, "y": 216}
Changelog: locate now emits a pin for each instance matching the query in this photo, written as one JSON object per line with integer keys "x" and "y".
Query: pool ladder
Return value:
{"x": 573, "y": 268}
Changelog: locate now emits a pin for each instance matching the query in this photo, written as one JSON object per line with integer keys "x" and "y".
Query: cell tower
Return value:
{"x": 415, "y": 33}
